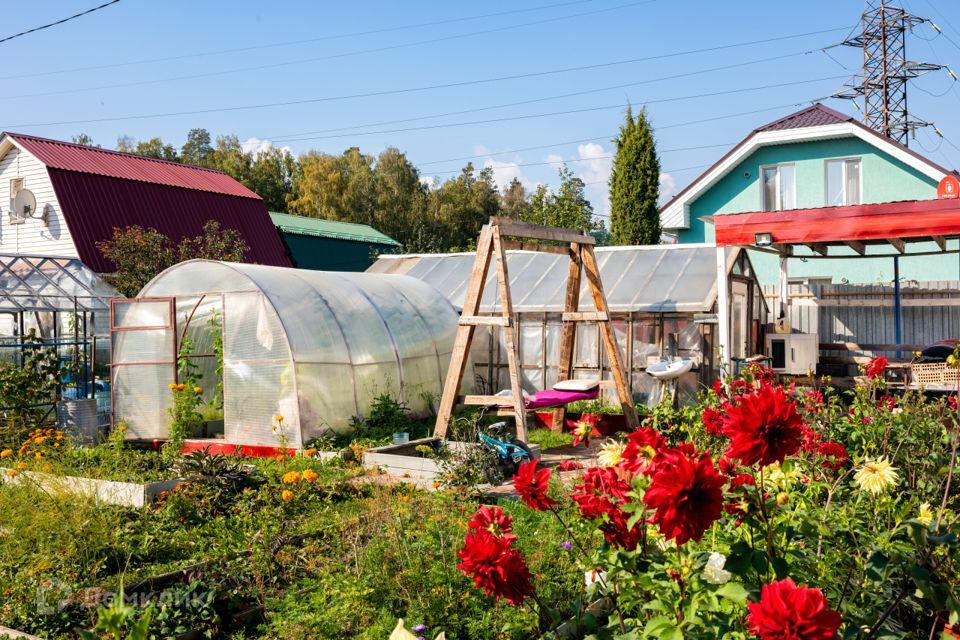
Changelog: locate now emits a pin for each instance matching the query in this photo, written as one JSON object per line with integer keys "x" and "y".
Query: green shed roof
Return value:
{"x": 305, "y": 226}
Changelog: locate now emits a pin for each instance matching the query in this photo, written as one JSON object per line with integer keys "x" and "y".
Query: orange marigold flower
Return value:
{"x": 278, "y": 418}
{"x": 21, "y": 465}
{"x": 197, "y": 390}
{"x": 279, "y": 457}
{"x": 310, "y": 475}
{"x": 291, "y": 477}
{"x": 122, "y": 428}
{"x": 6, "y": 453}
{"x": 13, "y": 473}
{"x": 287, "y": 495}
{"x": 310, "y": 453}
{"x": 173, "y": 386}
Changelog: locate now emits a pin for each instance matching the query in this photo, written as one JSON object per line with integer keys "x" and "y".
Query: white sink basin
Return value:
{"x": 670, "y": 369}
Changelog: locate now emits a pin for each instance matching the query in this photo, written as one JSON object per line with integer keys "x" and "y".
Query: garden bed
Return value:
{"x": 122, "y": 494}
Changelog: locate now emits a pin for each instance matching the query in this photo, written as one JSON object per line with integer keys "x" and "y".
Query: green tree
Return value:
{"x": 462, "y": 205}
{"x": 400, "y": 197}
{"x": 514, "y": 201}
{"x": 635, "y": 184}
{"x": 152, "y": 148}
{"x": 139, "y": 254}
{"x": 84, "y": 139}
{"x": 568, "y": 207}
{"x": 197, "y": 147}
{"x": 271, "y": 177}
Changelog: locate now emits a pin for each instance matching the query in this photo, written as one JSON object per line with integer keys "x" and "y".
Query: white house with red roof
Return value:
{"x": 72, "y": 196}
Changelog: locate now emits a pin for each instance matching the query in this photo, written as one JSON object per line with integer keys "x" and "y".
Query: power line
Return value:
{"x": 560, "y": 144}
{"x": 618, "y": 105}
{"x": 371, "y": 94}
{"x": 288, "y": 43}
{"x": 58, "y": 22}
{"x": 297, "y": 136}
{"x": 334, "y": 56}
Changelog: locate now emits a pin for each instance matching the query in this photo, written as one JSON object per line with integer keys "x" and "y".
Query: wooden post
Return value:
{"x": 607, "y": 337}
{"x": 723, "y": 310}
{"x": 510, "y": 335}
{"x": 571, "y": 304}
{"x": 464, "y": 339}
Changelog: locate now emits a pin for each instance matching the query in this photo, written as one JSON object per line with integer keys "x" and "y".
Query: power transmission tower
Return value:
{"x": 882, "y": 87}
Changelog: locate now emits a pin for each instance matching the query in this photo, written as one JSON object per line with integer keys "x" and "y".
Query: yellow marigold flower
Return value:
{"x": 278, "y": 418}
{"x": 173, "y": 386}
{"x": 197, "y": 390}
{"x": 310, "y": 453}
{"x": 291, "y": 477}
{"x": 41, "y": 440}
{"x": 21, "y": 465}
{"x": 6, "y": 453}
{"x": 876, "y": 476}
{"x": 611, "y": 454}
{"x": 405, "y": 498}
{"x": 925, "y": 515}
{"x": 287, "y": 495}
{"x": 122, "y": 428}
{"x": 39, "y": 455}
{"x": 59, "y": 436}
{"x": 13, "y": 473}
{"x": 310, "y": 475}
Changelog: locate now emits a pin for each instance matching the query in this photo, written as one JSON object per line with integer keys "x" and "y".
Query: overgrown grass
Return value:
{"x": 548, "y": 439}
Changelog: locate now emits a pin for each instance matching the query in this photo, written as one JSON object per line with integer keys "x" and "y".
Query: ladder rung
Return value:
{"x": 500, "y": 401}
{"x": 494, "y": 321}
{"x": 586, "y": 316}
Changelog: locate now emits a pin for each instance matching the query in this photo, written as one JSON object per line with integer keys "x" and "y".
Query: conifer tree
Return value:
{"x": 635, "y": 184}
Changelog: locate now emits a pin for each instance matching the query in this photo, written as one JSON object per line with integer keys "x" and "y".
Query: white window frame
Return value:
{"x": 763, "y": 196}
{"x": 843, "y": 178}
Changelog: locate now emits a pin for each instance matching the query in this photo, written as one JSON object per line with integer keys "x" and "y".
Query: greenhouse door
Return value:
{"x": 143, "y": 364}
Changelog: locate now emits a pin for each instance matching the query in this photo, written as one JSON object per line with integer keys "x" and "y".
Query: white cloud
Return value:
{"x": 256, "y": 146}
{"x": 505, "y": 172}
{"x": 597, "y": 163}
{"x": 555, "y": 159}
{"x": 668, "y": 187}
{"x": 429, "y": 181}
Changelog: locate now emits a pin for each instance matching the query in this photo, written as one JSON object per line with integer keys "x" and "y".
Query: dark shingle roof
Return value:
{"x": 815, "y": 116}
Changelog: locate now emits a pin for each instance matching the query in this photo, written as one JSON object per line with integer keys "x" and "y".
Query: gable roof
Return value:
{"x": 817, "y": 122}
{"x": 306, "y": 226}
{"x": 98, "y": 191}
{"x": 114, "y": 164}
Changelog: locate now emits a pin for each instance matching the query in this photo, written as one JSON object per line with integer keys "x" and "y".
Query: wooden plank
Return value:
{"x": 515, "y": 245}
{"x": 568, "y": 331}
{"x": 509, "y": 333}
{"x": 941, "y": 242}
{"x": 817, "y": 247}
{"x": 783, "y": 249}
{"x": 489, "y": 321}
{"x": 609, "y": 340}
{"x": 586, "y": 316}
{"x": 461, "y": 345}
{"x": 853, "y": 346}
{"x": 857, "y": 246}
{"x": 500, "y": 401}
{"x": 516, "y": 229}
{"x": 898, "y": 244}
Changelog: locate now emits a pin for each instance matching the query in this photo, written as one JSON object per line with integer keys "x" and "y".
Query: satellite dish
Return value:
{"x": 47, "y": 214}
{"x": 24, "y": 206}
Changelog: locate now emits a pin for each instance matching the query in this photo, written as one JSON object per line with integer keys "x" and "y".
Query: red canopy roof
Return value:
{"x": 910, "y": 220}
{"x": 100, "y": 190}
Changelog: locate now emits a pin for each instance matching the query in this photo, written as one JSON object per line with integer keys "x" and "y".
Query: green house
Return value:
{"x": 330, "y": 245}
{"x": 814, "y": 158}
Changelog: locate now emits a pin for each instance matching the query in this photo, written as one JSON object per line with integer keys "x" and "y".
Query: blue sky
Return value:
{"x": 99, "y": 74}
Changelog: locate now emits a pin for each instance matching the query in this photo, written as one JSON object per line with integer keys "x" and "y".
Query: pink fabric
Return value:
{"x": 554, "y": 398}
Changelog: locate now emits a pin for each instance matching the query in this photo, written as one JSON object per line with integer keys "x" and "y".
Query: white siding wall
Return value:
{"x": 32, "y": 237}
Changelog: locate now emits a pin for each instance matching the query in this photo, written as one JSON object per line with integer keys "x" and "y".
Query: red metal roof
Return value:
{"x": 103, "y": 162}
{"x": 909, "y": 220}
{"x": 93, "y": 205}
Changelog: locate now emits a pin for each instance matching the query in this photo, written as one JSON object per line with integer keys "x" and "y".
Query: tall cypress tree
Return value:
{"x": 635, "y": 184}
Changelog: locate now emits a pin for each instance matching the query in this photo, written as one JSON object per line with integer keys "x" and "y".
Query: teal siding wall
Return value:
{"x": 331, "y": 254}
{"x": 884, "y": 179}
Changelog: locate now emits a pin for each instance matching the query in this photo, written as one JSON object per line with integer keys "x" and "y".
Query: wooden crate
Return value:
{"x": 932, "y": 373}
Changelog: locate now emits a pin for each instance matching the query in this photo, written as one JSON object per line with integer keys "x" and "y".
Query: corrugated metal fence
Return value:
{"x": 864, "y": 314}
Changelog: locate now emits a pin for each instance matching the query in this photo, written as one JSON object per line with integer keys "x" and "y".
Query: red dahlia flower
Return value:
{"x": 686, "y": 496}
{"x": 600, "y": 492}
{"x": 495, "y": 567}
{"x": 713, "y": 421}
{"x": 641, "y": 450}
{"x": 584, "y": 429}
{"x": 494, "y": 521}
{"x": 833, "y": 450}
{"x": 789, "y": 612}
{"x": 875, "y": 368}
{"x": 531, "y": 485}
{"x": 764, "y": 427}
{"x": 569, "y": 465}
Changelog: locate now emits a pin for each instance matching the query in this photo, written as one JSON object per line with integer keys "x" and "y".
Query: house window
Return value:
{"x": 779, "y": 187}
{"x": 843, "y": 182}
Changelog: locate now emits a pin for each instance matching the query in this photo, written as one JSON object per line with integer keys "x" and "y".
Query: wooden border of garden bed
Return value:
{"x": 123, "y": 494}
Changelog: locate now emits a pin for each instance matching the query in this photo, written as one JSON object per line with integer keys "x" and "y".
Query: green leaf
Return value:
{"x": 733, "y": 591}
{"x": 877, "y": 566}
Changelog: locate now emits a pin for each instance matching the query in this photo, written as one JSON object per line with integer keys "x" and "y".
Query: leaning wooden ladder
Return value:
{"x": 493, "y": 242}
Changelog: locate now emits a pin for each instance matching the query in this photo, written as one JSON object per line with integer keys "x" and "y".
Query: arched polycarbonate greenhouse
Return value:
{"x": 314, "y": 347}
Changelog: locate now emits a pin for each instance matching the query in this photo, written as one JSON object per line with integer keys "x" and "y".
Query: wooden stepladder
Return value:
{"x": 492, "y": 245}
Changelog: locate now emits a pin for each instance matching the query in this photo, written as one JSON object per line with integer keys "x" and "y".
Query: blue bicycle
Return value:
{"x": 510, "y": 452}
